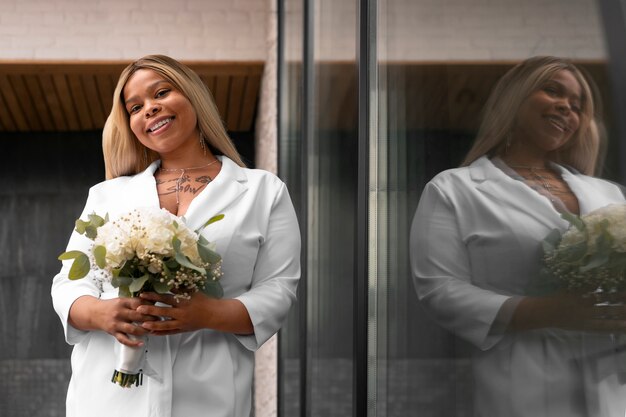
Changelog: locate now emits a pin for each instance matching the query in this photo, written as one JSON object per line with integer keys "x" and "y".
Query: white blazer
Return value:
{"x": 201, "y": 373}
{"x": 475, "y": 242}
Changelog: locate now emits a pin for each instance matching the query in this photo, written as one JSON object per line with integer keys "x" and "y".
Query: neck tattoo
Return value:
{"x": 180, "y": 179}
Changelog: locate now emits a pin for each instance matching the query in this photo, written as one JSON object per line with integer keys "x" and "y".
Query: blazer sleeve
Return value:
{"x": 276, "y": 273}
{"x": 65, "y": 291}
{"x": 442, "y": 273}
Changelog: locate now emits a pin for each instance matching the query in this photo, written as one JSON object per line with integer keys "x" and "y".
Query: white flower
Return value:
{"x": 145, "y": 231}
{"x": 584, "y": 266}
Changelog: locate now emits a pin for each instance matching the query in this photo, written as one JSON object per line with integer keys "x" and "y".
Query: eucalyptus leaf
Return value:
{"x": 210, "y": 221}
{"x": 184, "y": 261}
{"x": 80, "y": 267}
{"x": 72, "y": 254}
{"x": 124, "y": 292}
{"x": 161, "y": 287}
{"x": 138, "y": 283}
{"x": 598, "y": 259}
{"x": 171, "y": 264}
{"x": 100, "y": 253}
{"x": 551, "y": 241}
{"x": 574, "y": 253}
{"x": 80, "y": 226}
{"x": 213, "y": 289}
{"x": 91, "y": 232}
{"x": 181, "y": 258}
{"x": 208, "y": 255}
{"x": 574, "y": 219}
{"x": 96, "y": 220}
{"x": 121, "y": 281}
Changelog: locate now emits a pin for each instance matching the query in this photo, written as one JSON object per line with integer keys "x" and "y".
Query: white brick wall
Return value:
{"x": 128, "y": 29}
{"x": 423, "y": 30}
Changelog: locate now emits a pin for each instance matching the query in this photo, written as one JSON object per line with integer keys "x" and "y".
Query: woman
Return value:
{"x": 164, "y": 146}
{"x": 476, "y": 250}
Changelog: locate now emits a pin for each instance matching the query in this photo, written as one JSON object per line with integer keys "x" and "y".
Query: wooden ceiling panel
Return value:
{"x": 67, "y": 103}
{"x": 26, "y": 103}
{"x": 71, "y": 96}
{"x": 237, "y": 87}
{"x": 250, "y": 96}
{"x": 13, "y": 103}
{"x": 80, "y": 101}
{"x": 6, "y": 121}
{"x": 105, "y": 93}
{"x": 40, "y": 105}
{"x": 52, "y": 101}
{"x": 90, "y": 90}
{"x": 220, "y": 94}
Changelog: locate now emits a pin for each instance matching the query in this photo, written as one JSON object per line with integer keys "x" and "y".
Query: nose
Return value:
{"x": 151, "y": 110}
{"x": 563, "y": 107}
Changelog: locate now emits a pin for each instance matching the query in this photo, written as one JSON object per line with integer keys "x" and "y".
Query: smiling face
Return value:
{"x": 161, "y": 117}
{"x": 549, "y": 116}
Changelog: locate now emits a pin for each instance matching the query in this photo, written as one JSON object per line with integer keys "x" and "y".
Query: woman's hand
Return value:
{"x": 197, "y": 312}
{"x": 569, "y": 311}
{"x": 117, "y": 316}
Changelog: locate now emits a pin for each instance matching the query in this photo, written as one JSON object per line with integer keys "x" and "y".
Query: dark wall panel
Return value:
{"x": 44, "y": 180}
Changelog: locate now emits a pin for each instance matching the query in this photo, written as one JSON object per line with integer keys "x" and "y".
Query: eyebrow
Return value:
{"x": 148, "y": 88}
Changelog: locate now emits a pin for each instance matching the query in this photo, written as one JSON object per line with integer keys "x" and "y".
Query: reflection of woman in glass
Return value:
{"x": 476, "y": 246}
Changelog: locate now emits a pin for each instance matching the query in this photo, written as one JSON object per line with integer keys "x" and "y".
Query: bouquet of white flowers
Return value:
{"x": 591, "y": 254}
{"x": 147, "y": 249}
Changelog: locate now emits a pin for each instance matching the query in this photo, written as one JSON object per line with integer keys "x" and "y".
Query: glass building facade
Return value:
{"x": 375, "y": 99}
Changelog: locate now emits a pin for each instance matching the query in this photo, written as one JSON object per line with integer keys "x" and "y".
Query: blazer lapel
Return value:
{"x": 591, "y": 196}
{"x": 510, "y": 193}
{"x": 139, "y": 191}
{"x": 218, "y": 198}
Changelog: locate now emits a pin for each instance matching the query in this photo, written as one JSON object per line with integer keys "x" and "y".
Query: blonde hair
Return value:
{"x": 580, "y": 152}
{"x": 124, "y": 154}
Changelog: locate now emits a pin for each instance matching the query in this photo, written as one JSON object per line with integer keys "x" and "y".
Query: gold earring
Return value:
{"x": 202, "y": 143}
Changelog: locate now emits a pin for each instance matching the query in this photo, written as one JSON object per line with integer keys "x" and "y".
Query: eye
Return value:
{"x": 162, "y": 93}
{"x": 576, "y": 108}
{"x": 134, "y": 109}
{"x": 551, "y": 90}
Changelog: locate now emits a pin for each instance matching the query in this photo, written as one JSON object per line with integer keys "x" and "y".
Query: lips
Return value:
{"x": 159, "y": 124}
{"x": 558, "y": 122}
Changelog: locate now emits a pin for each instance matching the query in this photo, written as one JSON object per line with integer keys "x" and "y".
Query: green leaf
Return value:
{"x": 124, "y": 292}
{"x": 171, "y": 263}
{"x": 80, "y": 267}
{"x": 208, "y": 255}
{"x": 160, "y": 287}
{"x": 574, "y": 219}
{"x": 184, "y": 261}
{"x": 80, "y": 226}
{"x": 91, "y": 232}
{"x": 551, "y": 241}
{"x": 213, "y": 289}
{"x": 210, "y": 221}
{"x": 137, "y": 283}
{"x": 181, "y": 258}
{"x": 118, "y": 282}
{"x": 72, "y": 254}
{"x": 96, "y": 220}
{"x": 100, "y": 253}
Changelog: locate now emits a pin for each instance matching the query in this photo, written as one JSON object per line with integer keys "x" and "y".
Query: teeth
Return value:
{"x": 161, "y": 123}
{"x": 557, "y": 122}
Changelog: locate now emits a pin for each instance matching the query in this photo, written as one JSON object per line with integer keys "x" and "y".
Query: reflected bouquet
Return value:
{"x": 147, "y": 249}
{"x": 591, "y": 254}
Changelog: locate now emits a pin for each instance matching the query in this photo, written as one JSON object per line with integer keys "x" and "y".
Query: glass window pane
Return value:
{"x": 454, "y": 352}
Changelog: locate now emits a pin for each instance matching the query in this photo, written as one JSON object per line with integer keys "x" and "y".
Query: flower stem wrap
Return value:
{"x": 129, "y": 363}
